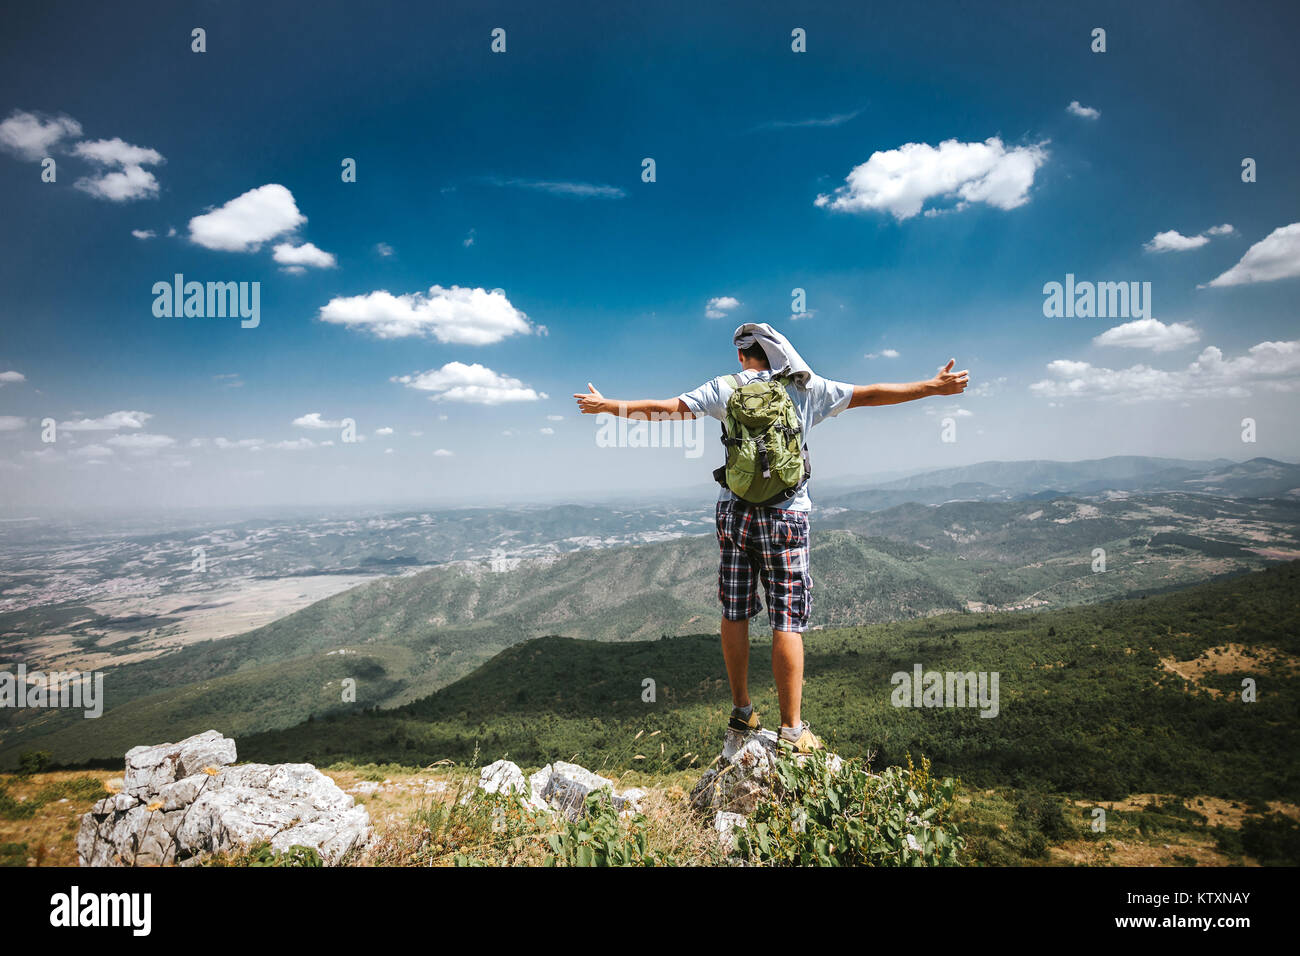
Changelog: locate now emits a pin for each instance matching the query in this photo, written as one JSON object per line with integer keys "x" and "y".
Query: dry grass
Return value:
{"x": 1230, "y": 659}
{"x": 50, "y": 833}
{"x": 420, "y": 821}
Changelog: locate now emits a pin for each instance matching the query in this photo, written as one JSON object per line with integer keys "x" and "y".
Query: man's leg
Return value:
{"x": 783, "y": 555}
{"x": 787, "y": 669}
{"x": 738, "y": 593}
{"x": 735, "y": 652}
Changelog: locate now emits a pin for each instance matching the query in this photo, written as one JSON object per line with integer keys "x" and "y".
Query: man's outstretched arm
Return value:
{"x": 643, "y": 409}
{"x": 947, "y": 382}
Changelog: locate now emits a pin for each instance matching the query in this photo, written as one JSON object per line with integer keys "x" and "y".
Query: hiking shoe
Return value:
{"x": 742, "y": 724}
{"x": 805, "y": 743}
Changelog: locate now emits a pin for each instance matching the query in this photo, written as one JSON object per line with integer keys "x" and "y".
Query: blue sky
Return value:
{"x": 521, "y": 172}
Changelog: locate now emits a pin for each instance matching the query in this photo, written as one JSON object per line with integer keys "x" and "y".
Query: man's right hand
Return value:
{"x": 948, "y": 382}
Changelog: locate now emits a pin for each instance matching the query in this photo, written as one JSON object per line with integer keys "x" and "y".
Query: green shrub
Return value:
{"x": 850, "y": 817}
{"x": 295, "y": 856}
{"x": 261, "y": 854}
{"x": 78, "y": 788}
{"x": 13, "y": 854}
{"x": 1274, "y": 839}
{"x": 1045, "y": 814}
{"x": 33, "y": 761}
{"x": 600, "y": 838}
{"x": 11, "y": 809}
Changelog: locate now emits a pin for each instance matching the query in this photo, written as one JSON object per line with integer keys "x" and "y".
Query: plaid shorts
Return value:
{"x": 767, "y": 544}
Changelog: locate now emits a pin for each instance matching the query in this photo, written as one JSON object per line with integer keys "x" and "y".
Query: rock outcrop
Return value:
{"x": 741, "y": 777}
{"x": 182, "y": 801}
{"x": 558, "y": 787}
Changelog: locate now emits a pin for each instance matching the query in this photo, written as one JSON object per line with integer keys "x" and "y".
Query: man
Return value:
{"x": 769, "y": 544}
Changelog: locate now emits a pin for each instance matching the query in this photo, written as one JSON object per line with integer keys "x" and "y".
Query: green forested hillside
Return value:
{"x": 401, "y": 638}
{"x": 1086, "y": 705}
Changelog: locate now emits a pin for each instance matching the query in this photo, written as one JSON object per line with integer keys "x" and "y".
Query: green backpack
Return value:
{"x": 766, "y": 458}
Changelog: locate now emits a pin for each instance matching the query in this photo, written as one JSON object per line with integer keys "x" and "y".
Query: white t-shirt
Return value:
{"x": 822, "y": 399}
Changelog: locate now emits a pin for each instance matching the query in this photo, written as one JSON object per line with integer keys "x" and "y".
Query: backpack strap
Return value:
{"x": 720, "y": 474}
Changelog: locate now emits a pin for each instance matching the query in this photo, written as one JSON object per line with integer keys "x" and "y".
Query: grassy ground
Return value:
{"x": 420, "y": 821}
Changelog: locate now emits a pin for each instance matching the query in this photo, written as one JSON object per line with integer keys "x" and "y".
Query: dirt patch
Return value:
{"x": 1229, "y": 659}
{"x": 1129, "y": 853}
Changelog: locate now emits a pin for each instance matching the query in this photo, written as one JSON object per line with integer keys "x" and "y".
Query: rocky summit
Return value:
{"x": 558, "y": 787}
{"x": 179, "y": 802}
{"x": 743, "y": 775}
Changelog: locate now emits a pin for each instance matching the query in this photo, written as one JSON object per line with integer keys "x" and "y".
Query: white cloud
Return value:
{"x": 579, "y": 190}
{"x": 123, "y": 185}
{"x": 443, "y": 453}
{"x": 287, "y": 254}
{"x": 547, "y": 431}
{"x": 249, "y": 443}
{"x": 816, "y": 122}
{"x": 1087, "y": 112}
{"x": 249, "y": 220}
{"x": 468, "y": 240}
{"x": 555, "y": 418}
{"x": 948, "y": 411}
{"x": 313, "y": 420}
{"x": 476, "y": 384}
{"x": 141, "y": 441}
{"x": 11, "y": 423}
{"x": 883, "y": 353}
{"x": 1276, "y": 256}
{"x": 143, "y": 233}
{"x": 719, "y": 306}
{"x": 117, "y": 152}
{"x": 1174, "y": 241}
{"x": 31, "y": 137}
{"x": 294, "y": 444}
{"x": 383, "y": 431}
{"x": 125, "y": 177}
{"x": 12, "y": 378}
{"x": 1149, "y": 334}
{"x": 110, "y": 422}
{"x": 1269, "y": 364}
{"x": 900, "y": 181}
{"x": 92, "y": 451}
{"x": 985, "y": 387}
{"x": 384, "y": 249}
{"x": 456, "y": 316}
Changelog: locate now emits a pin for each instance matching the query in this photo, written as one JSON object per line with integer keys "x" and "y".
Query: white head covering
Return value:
{"x": 781, "y": 356}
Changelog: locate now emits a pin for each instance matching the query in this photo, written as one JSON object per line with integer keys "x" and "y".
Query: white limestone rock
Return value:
{"x": 174, "y": 811}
